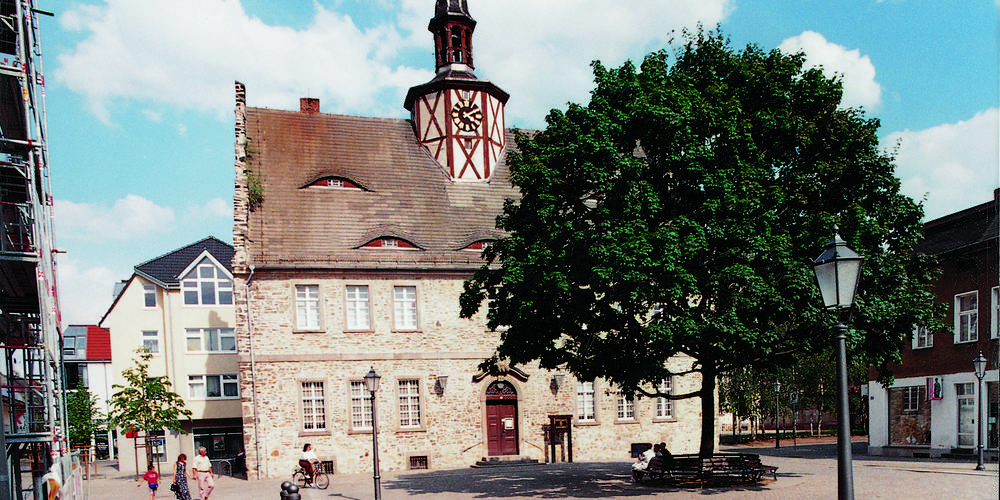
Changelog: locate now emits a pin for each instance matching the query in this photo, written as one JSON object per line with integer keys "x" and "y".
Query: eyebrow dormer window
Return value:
{"x": 479, "y": 245}
{"x": 389, "y": 242}
{"x": 334, "y": 183}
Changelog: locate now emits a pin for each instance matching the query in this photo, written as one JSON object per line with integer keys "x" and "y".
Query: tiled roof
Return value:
{"x": 963, "y": 229}
{"x": 165, "y": 269}
{"x": 406, "y": 195}
{"x": 98, "y": 343}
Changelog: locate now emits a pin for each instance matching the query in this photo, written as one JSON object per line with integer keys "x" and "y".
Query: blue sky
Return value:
{"x": 140, "y": 94}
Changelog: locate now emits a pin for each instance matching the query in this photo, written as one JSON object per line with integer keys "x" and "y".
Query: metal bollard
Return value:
{"x": 289, "y": 491}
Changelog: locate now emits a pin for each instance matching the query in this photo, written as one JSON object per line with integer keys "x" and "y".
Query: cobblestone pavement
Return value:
{"x": 806, "y": 471}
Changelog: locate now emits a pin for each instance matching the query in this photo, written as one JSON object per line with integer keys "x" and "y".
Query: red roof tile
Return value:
{"x": 98, "y": 343}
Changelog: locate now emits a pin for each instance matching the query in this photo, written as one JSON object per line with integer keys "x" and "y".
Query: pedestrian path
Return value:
{"x": 805, "y": 471}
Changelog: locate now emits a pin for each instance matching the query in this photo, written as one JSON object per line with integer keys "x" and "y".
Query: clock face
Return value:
{"x": 466, "y": 115}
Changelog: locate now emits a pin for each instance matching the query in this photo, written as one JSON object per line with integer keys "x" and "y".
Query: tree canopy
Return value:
{"x": 146, "y": 403}
{"x": 83, "y": 415}
{"x": 680, "y": 212}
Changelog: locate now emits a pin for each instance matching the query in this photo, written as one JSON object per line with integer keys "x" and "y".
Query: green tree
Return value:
{"x": 680, "y": 211}
{"x": 84, "y": 415}
{"x": 146, "y": 403}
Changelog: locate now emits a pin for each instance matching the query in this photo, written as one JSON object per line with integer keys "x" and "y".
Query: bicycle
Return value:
{"x": 223, "y": 467}
{"x": 320, "y": 480}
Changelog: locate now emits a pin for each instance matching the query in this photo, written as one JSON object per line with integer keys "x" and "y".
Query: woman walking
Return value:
{"x": 180, "y": 478}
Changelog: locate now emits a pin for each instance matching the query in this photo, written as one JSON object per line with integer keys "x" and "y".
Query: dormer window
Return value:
{"x": 390, "y": 242}
{"x": 334, "y": 183}
{"x": 479, "y": 245}
{"x": 207, "y": 284}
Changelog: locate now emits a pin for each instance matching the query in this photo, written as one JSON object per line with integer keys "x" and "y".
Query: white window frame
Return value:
{"x": 206, "y": 336}
{"x": 307, "y": 308}
{"x": 148, "y": 292}
{"x": 586, "y": 402}
{"x": 913, "y": 395}
{"x": 967, "y": 319}
{"x": 149, "y": 338}
{"x": 358, "y": 308}
{"x": 195, "y": 281}
{"x": 665, "y": 406}
{"x": 312, "y": 395}
{"x": 995, "y": 311}
{"x": 408, "y": 396}
{"x": 923, "y": 338}
{"x": 69, "y": 345}
{"x": 404, "y": 305}
{"x": 361, "y": 407}
{"x": 626, "y": 407}
{"x": 198, "y": 386}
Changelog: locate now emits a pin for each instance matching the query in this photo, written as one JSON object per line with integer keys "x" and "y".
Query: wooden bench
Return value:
{"x": 743, "y": 466}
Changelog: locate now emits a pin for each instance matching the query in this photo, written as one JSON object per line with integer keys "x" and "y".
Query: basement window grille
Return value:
{"x": 419, "y": 462}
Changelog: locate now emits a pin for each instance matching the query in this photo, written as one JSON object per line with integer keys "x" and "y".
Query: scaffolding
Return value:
{"x": 33, "y": 416}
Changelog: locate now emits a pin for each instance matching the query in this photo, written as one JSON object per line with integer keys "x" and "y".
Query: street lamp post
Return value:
{"x": 838, "y": 270}
{"x": 371, "y": 385}
{"x": 777, "y": 428}
{"x": 980, "y": 364}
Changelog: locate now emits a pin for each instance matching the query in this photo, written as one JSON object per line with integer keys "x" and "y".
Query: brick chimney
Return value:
{"x": 309, "y": 105}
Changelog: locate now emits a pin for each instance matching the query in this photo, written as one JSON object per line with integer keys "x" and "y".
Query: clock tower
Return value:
{"x": 458, "y": 117}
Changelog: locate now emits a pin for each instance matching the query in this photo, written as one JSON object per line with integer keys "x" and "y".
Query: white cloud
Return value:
{"x": 84, "y": 293}
{"x": 858, "y": 72}
{"x": 128, "y": 218}
{"x": 955, "y": 165}
{"x": 214, "y": 208}
{"x": 159, "y": 52}
{"x": 543, "y": 59}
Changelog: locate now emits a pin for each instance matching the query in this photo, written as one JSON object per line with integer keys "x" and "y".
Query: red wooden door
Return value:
{"x": 501, "y": 427}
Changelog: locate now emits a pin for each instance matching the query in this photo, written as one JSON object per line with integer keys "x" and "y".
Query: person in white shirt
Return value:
{"x": 201, "y": 469}
{"x": 307, "y": 459}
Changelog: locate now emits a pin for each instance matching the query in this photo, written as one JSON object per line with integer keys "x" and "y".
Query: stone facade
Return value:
{"x": 451, "y": 431}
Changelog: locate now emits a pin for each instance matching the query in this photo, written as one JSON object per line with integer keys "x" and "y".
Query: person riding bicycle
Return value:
{"x": 307, "y": 460}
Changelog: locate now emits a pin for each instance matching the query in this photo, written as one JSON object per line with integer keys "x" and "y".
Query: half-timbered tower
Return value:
{"x": 458, "y": 117}
{"x": 353, "y": 237}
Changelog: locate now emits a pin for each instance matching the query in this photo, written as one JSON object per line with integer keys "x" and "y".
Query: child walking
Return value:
{"x": 152, "y": 479}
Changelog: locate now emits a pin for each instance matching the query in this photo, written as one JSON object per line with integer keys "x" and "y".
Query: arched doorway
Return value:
{"x": 501, "y": 419}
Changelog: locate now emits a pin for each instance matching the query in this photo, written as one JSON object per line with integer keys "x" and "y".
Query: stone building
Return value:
{"x": 352, "y": 238}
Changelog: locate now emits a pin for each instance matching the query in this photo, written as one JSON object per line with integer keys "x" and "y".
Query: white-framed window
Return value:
{"x": 151, "y": 341}
{"x": 313, "y": 406}
{"x": 966, "y": 317}
{"x": 405, "y": 307}
{"x": 995, "y": 308}
{"x": 586, "y": 407}
{"x": 210, "y": 340}
{"x": 224, "y": 386}
{"x": 626, "y": 406}
{"x": 149, "y": 294}
{"x": 70, "y": 345}
{"x": 665, "y": 406}
{"x": 409, "y": 403}
{"x": 207, "y": 284}
{"x": 358, "y": 312}
{"x": 922, "y": 337}
{"x": 913, "y": 396}
{"x": 361, "y": 407}
{"x": 307, "y": 307}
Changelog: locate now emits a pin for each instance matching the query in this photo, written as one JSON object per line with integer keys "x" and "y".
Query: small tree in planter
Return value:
{"x": 146, "y": 404}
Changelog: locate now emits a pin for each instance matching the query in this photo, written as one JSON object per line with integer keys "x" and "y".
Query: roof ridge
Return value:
{"x": 181, "y": 249}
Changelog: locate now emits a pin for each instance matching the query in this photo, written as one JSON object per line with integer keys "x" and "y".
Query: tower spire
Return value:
{"x": 452, "y": 27}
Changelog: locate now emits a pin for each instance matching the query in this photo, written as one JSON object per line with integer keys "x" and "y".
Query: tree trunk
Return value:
{"x": 708, "y": 380}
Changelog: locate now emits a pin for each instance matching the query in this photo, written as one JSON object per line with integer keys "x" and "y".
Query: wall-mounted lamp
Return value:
{"x": 557, "y": 382}
{"x": 441, "y": 384}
